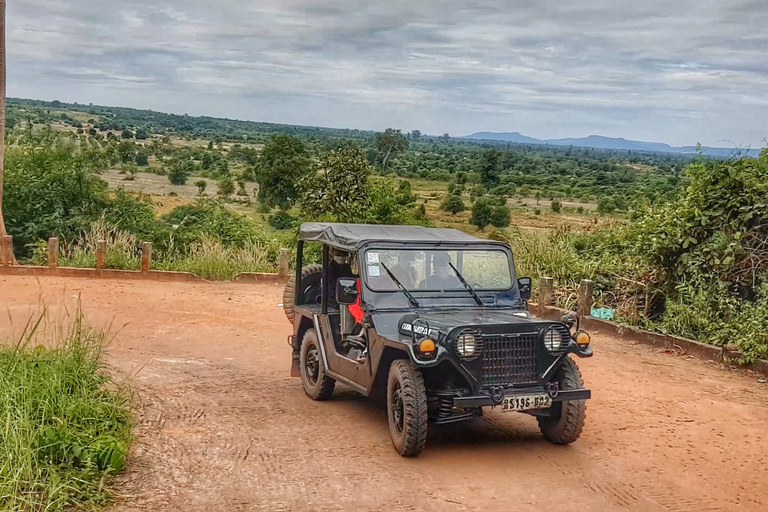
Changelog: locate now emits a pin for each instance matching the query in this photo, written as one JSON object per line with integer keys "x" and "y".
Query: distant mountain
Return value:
{"x": 600, "y": 142}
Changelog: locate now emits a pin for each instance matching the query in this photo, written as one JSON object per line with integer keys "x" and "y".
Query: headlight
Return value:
{"x": 556, "y": 339}
{"x": 469, "y": 344}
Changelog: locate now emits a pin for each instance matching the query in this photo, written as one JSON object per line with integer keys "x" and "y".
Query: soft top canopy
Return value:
{"x": 350, "y": 237}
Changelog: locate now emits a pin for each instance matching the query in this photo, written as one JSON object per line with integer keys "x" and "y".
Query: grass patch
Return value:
{"x": 65, "y": 426}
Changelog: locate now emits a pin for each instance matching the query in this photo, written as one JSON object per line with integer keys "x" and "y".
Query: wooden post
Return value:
{"x": 146, "y": 256}
{"x": 6, "y": 250}
{"x": 546, "y": 293}
{"x": 586, "y": 298}
{"x": 53, "y": 252}
{"x": 285, "y": 262}
{"x": 101, "y": 254}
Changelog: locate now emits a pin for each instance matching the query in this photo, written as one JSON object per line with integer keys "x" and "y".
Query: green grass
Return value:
{"x": 65, "y": 426}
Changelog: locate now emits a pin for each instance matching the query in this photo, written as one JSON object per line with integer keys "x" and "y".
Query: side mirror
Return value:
{"x": 346, "y": 291}
{"x": 524, "y": 283}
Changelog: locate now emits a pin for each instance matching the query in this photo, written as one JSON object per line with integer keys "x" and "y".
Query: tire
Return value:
{"x": 317, "y": 385}
{"x": 407, "y": 408}
{"x": 310, "y": 282}
{"x": 567, "y": 420}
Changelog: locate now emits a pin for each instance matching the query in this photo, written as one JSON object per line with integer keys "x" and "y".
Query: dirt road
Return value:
{"x": 223, "y": 426}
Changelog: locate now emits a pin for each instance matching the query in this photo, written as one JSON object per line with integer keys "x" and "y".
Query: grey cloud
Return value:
{"x": 679, "y": 72}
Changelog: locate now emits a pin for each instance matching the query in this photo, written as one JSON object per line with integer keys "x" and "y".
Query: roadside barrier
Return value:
{"x": 7, "y": 267}
{"x": 545, "y": 308}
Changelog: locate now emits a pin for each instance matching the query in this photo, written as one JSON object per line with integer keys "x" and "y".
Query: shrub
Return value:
{"x": 500, "y": 217}
{"x": 282, "y": 220}
{"x": 481, "y": 214}
{"x": 179, "y": 173}
{"x": 226, "y": 186}
{"x": 453, "y": 204}
{"x": 71, "y": 425}
{"x": 556, "y": 206}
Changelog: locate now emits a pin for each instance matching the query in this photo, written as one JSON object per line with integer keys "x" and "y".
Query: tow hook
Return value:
{"x": 553, "y": 389}
{"x": 497, "y": 395}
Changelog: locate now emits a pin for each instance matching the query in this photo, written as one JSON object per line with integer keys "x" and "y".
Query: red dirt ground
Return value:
{"x": 222, "y": 426}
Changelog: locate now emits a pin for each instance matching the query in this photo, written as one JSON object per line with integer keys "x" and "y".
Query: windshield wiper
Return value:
{"x": 466, "y": 285}
{"x": 413, "y": 302}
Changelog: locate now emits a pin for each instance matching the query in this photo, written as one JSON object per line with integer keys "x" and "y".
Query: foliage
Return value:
{"x": 556, "y": 206}
{"x": 339, "y": 190}
{"x": 180, "y": 171}
{"x": 453, "y": 204}
{"x": 282, "y": 220}
{"x": 482, "y": 212}
{"x": 500, "y": 217}
{"x": 68, "y": 425}
{"x": 283, "y": 164}
{"x": 489, "y": 168}
{"x": 51, "y": 192}
{"x": 389, "y": 144}
{"x": 201, "y": 186}
{"x": 226, "y": 186}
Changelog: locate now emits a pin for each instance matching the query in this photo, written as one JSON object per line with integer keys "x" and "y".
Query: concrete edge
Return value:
{"x": 684, "y": 345}
{"x": 152, "y": 275}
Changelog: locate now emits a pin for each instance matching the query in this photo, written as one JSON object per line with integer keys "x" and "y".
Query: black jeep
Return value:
{"x": 437, "y": 319}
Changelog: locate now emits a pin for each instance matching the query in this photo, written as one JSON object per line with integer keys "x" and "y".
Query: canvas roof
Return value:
{"x": 350, "y": 237}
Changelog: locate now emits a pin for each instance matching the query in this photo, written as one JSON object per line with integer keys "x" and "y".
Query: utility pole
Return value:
{"x": 3, "y": 232}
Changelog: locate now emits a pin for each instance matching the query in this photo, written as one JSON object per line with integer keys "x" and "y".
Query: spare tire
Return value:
{"x": 311, "y": 290}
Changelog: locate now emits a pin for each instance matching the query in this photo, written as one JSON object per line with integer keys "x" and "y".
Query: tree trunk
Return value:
{"x": 2, "y": 111}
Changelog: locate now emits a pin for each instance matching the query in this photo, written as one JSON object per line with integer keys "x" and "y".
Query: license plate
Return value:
{"x": 526, "y": 402}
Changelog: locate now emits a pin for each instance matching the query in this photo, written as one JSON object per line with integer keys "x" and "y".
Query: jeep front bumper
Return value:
{"x": 493, "y": 399}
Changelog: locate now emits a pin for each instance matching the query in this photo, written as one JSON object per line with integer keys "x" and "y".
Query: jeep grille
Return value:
{"x": 509, "y": 359}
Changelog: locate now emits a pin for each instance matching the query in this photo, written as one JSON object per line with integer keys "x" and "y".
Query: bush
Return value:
{"x": 282, "y": 220}
{"x": 179, "y": 173}
{"x": 71, "y": 426}
{"x": 481, "y": 214}
{"x": 500, "y": 217}
{"x": 556, "y": 206}
{"x": 453, "y": 204}
{"x": 226, "y": 186}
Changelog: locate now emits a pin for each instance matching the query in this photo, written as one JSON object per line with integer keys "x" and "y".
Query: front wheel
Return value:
{"x": 317, "y": 385}
{"x": 566, "y": 421}
{"x": 407, "y": 408}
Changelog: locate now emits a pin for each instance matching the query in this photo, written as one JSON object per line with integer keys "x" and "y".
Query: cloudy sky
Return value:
{"x": 674, "y": 71}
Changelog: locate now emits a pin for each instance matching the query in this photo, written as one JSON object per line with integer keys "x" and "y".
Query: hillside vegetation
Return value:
{"x": 673, "y": 243}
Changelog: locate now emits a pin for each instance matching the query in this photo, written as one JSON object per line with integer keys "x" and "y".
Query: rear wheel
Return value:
{"x": 317, "y": 385}
{"x": 566, "y": 421}
{"x": 407, "y": 408}
{"x": 310, "y": 289}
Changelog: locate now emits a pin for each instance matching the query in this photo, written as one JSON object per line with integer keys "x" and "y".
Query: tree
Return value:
{"x": 556, "y": 206}
{"x": 390, "y": 144}
{"x": 127, "y": 134}
{"x": 453, "y": 203}
{"x": 340, "y": 190}
{"x": 605, "y": 206}
{"x": 416, "y": 135}
{"x": 3, "y": 232}
{"x": 500, "y": 217}
{"x": 490, "y": 168}
{"x": 284, "y": 163}
{"x": 481, "y": 214}
{"x": 180, "y": 171}
{"x": 142, "y": 160}
{"x": 141, "y": 134}
{"x": 226, "y": 186}
{"x": 201, "y": 186}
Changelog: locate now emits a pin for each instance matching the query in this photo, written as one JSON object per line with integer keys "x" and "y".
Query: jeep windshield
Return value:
{"x": 425, "y": 270}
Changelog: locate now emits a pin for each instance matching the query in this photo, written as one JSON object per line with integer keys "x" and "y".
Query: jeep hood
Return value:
{"x": 394, "y": 326}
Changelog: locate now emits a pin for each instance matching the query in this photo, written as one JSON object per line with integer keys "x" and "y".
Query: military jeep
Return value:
{"x": 437, "y": 321}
